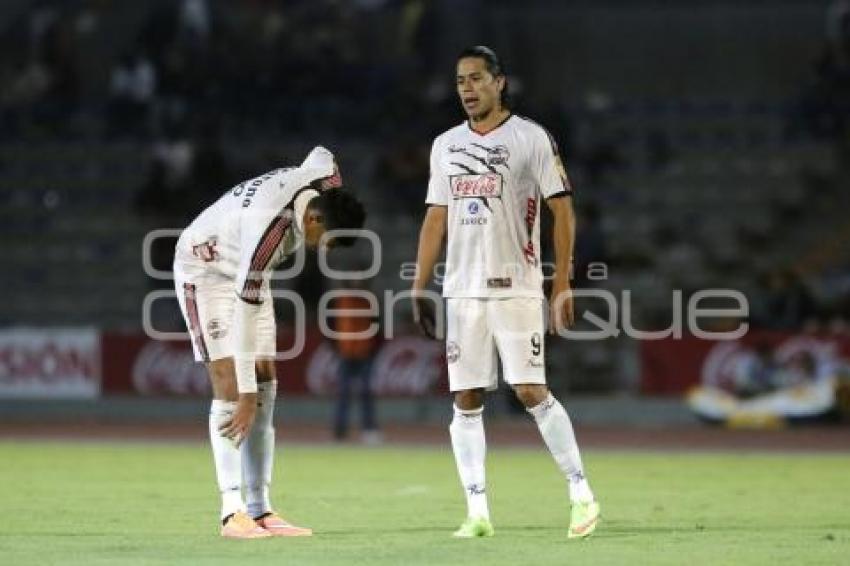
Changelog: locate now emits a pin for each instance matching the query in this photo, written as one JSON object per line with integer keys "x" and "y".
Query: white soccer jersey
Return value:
{"x": 250, "y": 229}
{"x": 491, "y": 184}
{"x": 235, "y": 243}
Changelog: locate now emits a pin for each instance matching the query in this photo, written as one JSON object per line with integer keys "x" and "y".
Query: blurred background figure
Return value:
{"x": 132, "y": 88}
{"x": 772, "y": 383}
{"x": 356, "y": 349}
{"x": 784, "y": 303}
{"x": 756, "y": 373}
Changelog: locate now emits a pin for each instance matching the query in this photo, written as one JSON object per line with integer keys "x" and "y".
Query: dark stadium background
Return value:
{"x": 707, "y": 142}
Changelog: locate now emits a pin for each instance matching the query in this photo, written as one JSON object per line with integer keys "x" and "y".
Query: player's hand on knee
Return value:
{"x": 239, "y": 425}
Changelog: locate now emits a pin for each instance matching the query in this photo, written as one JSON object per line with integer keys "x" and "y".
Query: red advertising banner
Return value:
{"x": 50, "y": 363}
{"x": 672, "y": 367}
{"x": 404, "y": 366}
{"x": 136, "y": 364}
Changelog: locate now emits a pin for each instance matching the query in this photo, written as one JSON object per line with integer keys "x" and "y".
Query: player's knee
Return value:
{"x": 531, "y": 395}
{"x": 469, "y": 399}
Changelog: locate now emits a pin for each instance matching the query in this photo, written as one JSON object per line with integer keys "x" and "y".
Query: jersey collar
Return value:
{"x": 491, "y": 130}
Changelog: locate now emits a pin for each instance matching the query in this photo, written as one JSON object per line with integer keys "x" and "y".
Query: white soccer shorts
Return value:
{"x": 478, "y": 329}
{"x": 208, "y": 311}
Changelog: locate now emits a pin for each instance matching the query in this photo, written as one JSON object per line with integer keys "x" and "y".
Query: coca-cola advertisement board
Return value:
{"x": 136, "y": 364}
{"x": 403, "y": 366}
{"x": 50, "y": 363}
{"x": 673, "y": 366}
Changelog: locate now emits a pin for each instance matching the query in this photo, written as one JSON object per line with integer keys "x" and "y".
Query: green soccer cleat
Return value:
{"x": 474, "y": 527}
{"x": 583, "y": 519}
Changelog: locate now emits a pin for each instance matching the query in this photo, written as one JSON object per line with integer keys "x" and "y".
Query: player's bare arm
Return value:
{"x": 431, "y": 238}
{"x": 561, "y": 313}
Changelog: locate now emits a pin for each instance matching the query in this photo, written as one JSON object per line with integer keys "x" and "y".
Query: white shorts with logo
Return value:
{"x": 478, "y": 329}
{"x": 208, "y": 311}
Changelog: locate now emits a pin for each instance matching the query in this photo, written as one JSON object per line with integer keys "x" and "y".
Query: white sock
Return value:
{"x": 228, "y": 461}
{"x": 470, "y": 448}
{"x": 258, "y": 452}
{"x": 557, "y": 431}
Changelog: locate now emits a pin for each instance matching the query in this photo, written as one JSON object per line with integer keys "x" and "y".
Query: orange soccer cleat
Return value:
{"x": 240, "y": 525}
{"x": 274, "y": 524}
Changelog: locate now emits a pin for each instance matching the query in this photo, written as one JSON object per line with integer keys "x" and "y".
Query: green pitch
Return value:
{"x": 65, "y": 503}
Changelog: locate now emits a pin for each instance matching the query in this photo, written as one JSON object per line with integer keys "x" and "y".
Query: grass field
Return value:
{"x": 99, "y": 503}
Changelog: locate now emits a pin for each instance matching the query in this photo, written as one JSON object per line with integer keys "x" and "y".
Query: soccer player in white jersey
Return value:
{"x": 222, "y": 267}
{"x": 488, "y": 175}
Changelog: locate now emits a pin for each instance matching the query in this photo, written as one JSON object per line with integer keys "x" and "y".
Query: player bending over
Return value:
{"x": 487, "y": 177}
{"x": 222, "y": 268}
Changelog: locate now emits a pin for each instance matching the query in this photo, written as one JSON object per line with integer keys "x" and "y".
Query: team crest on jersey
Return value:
{"x": 216, "y": 329}
{"x": 206, "y": 251}
{"x": 498, "y": 155}
{"x": 476, "y": 185}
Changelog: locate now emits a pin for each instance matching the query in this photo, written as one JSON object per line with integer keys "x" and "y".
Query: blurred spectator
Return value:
{"x": 760, "y": 372}
{"x": 132, "y": 89}
{"x": 821, "y": 110}
{"x": 783, "y": 302}
{"x": 195, "y": 22}
{"x": 175, "y": 156}
{"x": 41, "y": 84}
{"x": 165, "y": 192}
{"x": 838, "y": 31}
{"x": 185, "y": 171}
{"x": 765, "y": 389}
{"x": 355, "y": 367}
{"x": 754, "y": 373}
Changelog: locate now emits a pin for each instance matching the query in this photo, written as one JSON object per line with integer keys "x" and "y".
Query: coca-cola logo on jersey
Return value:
{"x": 163, "y": 369}
{"x": 404, "y": 366}
{"x": 476, "y": 185}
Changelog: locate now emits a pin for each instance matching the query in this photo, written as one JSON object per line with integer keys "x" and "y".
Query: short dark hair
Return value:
{"x": 340, "y": 210}
{"x": 493, "y": 63}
